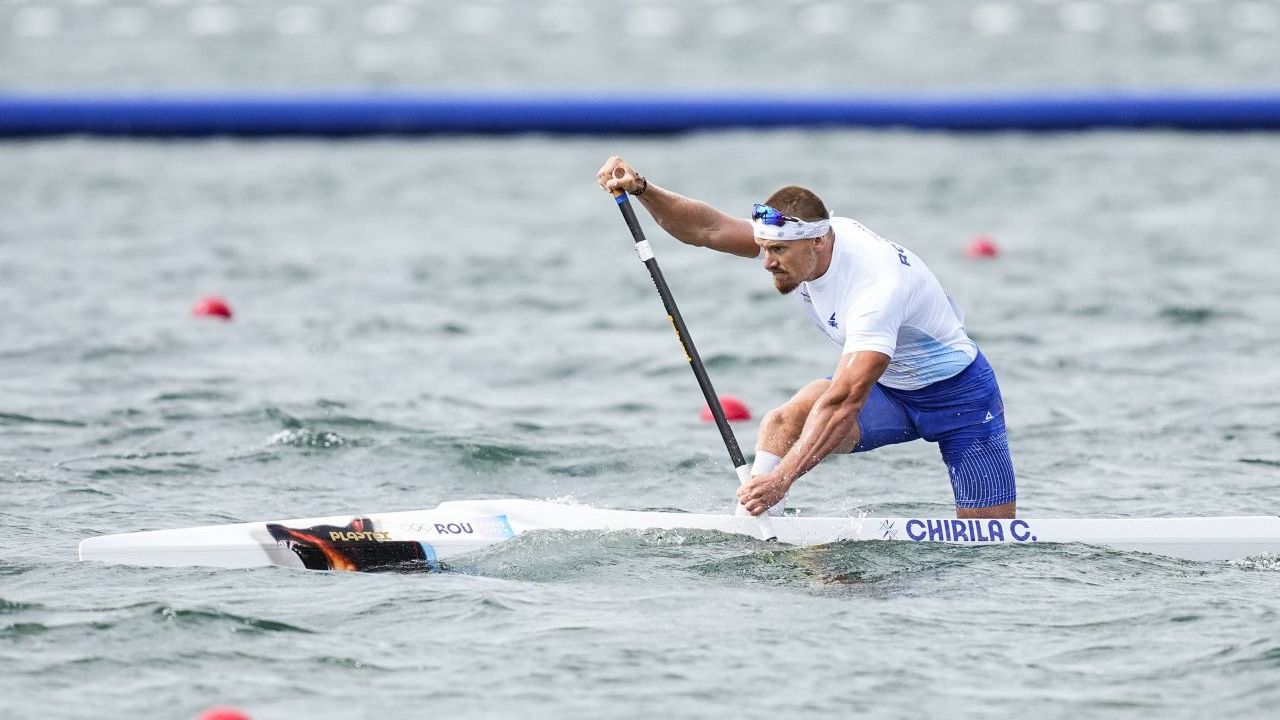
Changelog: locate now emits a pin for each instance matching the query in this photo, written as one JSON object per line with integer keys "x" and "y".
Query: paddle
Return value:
{"x": 691, "y": 353}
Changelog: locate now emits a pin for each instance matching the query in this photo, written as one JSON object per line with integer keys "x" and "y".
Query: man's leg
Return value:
{"x": 781, "y": 428}
{"x": 1007, "y": 510}
{"x": 964, "y": 414}
{"x": 782, "y": 425}
{"x": 882, "y": 421}
{"x": 981, "y": 471}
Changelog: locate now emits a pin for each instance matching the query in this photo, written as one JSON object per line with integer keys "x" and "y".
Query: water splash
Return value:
{"x": 1266, "y": 562}
{"x": 307, "y": 438}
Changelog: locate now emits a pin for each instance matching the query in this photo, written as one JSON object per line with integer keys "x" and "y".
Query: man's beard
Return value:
{"x": 784, "y": 285}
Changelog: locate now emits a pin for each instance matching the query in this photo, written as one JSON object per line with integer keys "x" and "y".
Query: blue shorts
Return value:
{"x": 964, "y": 414}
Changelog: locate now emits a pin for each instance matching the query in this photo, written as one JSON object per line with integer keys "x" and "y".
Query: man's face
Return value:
{"x": 791, "y": 262}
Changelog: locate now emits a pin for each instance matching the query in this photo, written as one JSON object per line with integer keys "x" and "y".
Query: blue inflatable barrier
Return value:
{"x": 338, "y": 115}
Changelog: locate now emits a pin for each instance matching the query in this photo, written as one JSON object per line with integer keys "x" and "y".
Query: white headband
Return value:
{"x": 791, "y": 229}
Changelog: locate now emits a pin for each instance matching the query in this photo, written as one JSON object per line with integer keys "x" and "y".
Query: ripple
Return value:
{"x": 7, "y": 570}
{"x": 1181, "y": 315}
{"x": 481, "y": 455}
{"x": 485, "y": 606}
{"x": 213, "y": 395}
{"x": 274, "y": 413}
{"x": 238, "y": 623}
{"x": 104, "y": 352}
{"x": 128, "y": 456}
{"x": 133, "y": 470}
{"x": 90, "y": 491}
{"x": 881, "y": 568}
{"x": 136, "y": 432}
{"x": 348, "y": 663}
{"x": 590, "y": 468}
{"x": 289, "y": 421}
{"x": 21, "y": 630}
{"x": 9, "y": 607}
{"x": 360, "y": 423}
{"x": 854, "y": 564}
{"x": 1269, "y": 657}
{"x": 485, "y": 455}
{"x": 18, "y": 419}
{"x": 1261, "y": 461}
{"x": 262, "y": 457}
{"x": 454, "y": 329}
{"x": 548, "y": 555}
{"x": 629, "y": 407}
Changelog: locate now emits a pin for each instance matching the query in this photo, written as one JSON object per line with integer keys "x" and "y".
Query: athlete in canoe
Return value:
{"x": 908, "y": 370}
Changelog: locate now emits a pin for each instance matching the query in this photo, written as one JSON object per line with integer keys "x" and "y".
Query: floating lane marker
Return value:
{"x": 350, "y": 114}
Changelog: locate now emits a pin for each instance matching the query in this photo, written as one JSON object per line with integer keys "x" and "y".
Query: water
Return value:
{"x": 459, "y": 319}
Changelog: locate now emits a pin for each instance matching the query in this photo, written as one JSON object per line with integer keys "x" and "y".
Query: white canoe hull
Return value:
{"x": 421, "y": 539}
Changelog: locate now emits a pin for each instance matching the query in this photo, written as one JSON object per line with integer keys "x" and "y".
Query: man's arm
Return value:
{"x": 690, "y": 221}
{"x": 832, "y": 426}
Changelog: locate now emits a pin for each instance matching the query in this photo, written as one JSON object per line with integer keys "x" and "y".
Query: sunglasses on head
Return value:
{"x": 770, "y": 216}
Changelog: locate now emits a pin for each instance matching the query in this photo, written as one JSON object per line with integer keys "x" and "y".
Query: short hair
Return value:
{"x": 798, "y": 202}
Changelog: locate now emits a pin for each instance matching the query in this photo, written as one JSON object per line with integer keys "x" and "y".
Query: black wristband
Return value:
{"x": 643, "y": 187}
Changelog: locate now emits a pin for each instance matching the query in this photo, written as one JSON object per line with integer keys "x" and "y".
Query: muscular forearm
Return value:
{"x": 694, "y": 222}
{"x": 832, "y": 426}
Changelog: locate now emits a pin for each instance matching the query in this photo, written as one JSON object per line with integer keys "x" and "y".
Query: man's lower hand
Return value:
{"x": 762, "y": 493}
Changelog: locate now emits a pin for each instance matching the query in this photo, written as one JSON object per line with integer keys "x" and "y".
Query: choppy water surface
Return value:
{"x": 435, "y": 320}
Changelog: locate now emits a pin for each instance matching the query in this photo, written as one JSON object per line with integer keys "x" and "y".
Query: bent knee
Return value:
{"x": 1003, "y": 511}
{"x": 792, "y": 414}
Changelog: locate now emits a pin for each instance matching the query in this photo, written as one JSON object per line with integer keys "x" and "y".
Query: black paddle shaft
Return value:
{"x": 682, "y": 331}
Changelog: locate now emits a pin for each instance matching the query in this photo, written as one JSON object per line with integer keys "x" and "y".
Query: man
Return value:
{"x": 908, "y": 370}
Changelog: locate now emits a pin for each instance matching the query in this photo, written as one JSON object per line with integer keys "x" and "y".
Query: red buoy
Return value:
{"x": 734, "y": 409}
{"x": 223, "y": 712}
{"x": 982, "y": 246}
{"x": 212, "y": 306}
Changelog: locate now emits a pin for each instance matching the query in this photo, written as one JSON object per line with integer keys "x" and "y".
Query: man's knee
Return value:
{"x": 793, "y": 413}
{"x": 789, "y": 415}
{"x": 1006, "y": 511}
{"x": 782, "y": 425}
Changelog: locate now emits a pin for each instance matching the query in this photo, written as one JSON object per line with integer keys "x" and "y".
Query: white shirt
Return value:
{"x": 877, "y": 295}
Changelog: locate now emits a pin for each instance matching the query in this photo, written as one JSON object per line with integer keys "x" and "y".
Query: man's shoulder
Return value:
{"x": 855, "y": 242}
{"x": 854, "y": 229}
